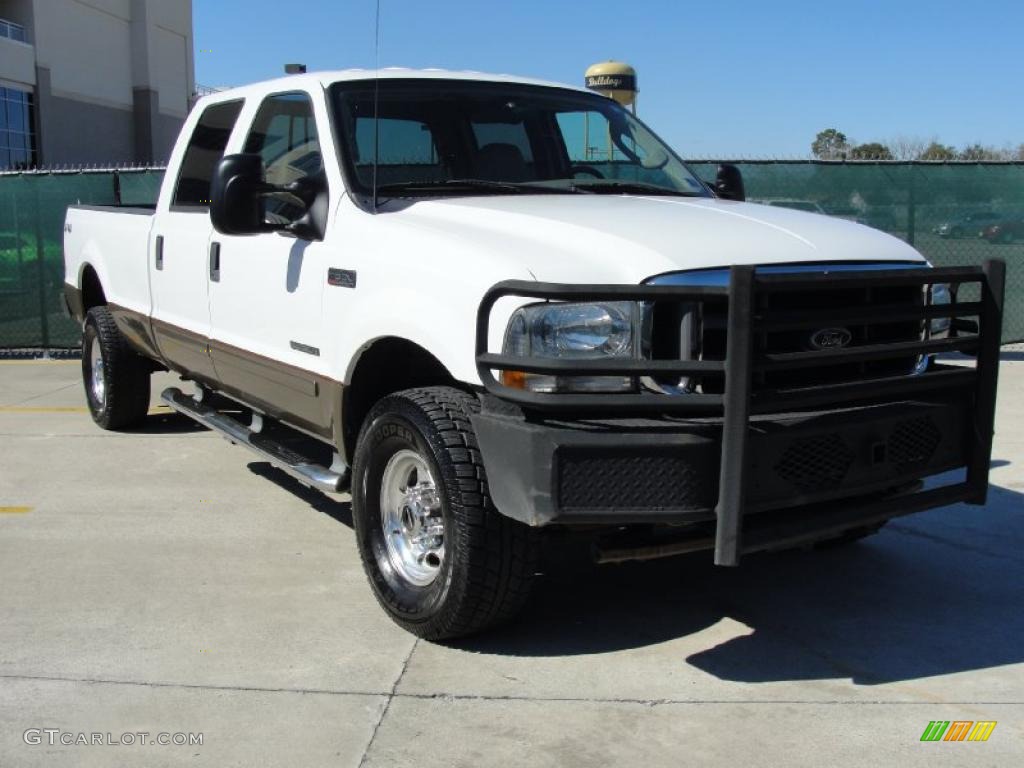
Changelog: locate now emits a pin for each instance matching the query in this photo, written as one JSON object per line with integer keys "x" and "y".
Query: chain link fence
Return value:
{"x": 954, "y": 213}
{"x": 32, "y": 208}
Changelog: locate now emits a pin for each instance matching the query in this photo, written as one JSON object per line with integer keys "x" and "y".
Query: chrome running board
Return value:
{"x": 332, "y": 480}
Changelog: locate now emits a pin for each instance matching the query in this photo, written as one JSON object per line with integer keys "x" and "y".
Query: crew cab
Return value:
{"x": 501, "y": 312}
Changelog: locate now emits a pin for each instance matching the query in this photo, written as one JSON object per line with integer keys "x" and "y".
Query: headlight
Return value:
{"x": 574, "y": 332}
{"x": 938, "y": 327}
{"x": 940, "y": 295}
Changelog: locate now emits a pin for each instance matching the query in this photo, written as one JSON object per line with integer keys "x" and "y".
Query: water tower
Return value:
{"x": 614, "y": 79}
{"x": 617, "y": 81}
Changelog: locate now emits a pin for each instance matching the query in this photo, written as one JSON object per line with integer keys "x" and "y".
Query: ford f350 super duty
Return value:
{"x": 496, "y": 309}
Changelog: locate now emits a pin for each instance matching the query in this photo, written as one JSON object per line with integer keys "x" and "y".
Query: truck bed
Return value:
{"x": 113, "y": 240}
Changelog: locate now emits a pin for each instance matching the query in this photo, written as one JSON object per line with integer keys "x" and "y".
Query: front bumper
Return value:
{"x": 667, "y": 470}
{"x": 820, "y": 459}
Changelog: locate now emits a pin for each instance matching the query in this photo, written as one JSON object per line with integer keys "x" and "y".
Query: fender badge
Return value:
{"x": 341, "y": 278}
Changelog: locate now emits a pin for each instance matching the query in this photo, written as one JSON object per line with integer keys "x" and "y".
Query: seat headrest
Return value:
{"x": 501, "y": 162}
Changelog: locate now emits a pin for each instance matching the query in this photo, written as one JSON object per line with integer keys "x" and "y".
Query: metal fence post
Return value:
{"x": 44, "y": 320}
{"x": 17, "y": 242}
{"x": 912, "y": 206}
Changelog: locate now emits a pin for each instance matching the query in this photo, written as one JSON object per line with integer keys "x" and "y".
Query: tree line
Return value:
{"x": 833, "y": 144}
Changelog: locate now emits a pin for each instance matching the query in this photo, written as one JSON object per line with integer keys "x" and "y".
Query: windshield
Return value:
{"x": 470, "y": 137}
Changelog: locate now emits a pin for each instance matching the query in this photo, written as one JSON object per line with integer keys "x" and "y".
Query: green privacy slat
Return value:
{"x": 32, "y": 208}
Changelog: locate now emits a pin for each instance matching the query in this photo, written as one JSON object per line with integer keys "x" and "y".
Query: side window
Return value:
{"x": 284, "y": 135}
{"x": 205, "y": 150}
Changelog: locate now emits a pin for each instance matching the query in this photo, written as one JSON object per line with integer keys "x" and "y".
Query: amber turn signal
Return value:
{"x": 514, "y": 379}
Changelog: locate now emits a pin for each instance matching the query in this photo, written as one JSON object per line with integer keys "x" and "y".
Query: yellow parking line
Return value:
{"x": 41, "y": 363}
{"x": 156, "y": 411}
{"x": 15, "y": 510}
{"x": 42, "y": 409}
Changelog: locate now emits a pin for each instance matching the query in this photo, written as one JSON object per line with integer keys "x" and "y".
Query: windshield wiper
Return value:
{"x": 452, "y": 185}
{"x": 629, "y": 187}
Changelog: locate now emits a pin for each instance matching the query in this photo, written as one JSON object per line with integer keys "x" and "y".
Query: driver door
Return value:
{"x": 266, "y": 289}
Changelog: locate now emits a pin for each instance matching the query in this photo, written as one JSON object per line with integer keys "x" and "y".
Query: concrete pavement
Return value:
{"x": 165, "y": 581}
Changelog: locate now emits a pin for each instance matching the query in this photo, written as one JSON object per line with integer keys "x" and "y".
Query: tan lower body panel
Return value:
{"x": 286, "y": 393}
{"x": 294, "y": 395}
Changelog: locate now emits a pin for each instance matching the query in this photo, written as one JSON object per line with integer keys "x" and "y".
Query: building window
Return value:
{"x": 12, "y": 31}
{"x": 17, "y": 130}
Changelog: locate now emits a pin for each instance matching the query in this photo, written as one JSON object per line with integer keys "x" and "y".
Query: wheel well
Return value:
{"x": 92, "y": 290}
{"x": 388, "y": 366}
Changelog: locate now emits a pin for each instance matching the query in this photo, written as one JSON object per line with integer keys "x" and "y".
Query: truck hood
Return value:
{"x": 627, "y": 239}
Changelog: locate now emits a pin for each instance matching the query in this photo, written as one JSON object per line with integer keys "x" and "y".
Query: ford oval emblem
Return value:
{"x": 831, "y": 338}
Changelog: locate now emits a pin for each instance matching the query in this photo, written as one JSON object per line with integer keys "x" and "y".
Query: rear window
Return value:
{"x": 205, "y": 150}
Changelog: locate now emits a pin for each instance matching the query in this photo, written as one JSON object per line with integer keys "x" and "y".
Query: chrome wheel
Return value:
{"x": 411, "y": 518}
{"x": 97, "y": 383}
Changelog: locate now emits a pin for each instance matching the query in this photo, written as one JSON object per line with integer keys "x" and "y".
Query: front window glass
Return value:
{"x": 408, "y": 150}
{"x": 467, "y": 137}
{"x": 284, "y": 134}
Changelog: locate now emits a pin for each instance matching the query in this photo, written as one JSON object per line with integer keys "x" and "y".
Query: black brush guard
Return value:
{"x": 743, "y": 360}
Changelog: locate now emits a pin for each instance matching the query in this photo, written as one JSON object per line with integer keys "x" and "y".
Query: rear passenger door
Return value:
{"x": 266, "y": 303}
{"x": 179, "y": 247}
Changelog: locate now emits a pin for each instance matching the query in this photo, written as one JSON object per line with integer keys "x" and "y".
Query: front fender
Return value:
{"x": 445, "y": 329}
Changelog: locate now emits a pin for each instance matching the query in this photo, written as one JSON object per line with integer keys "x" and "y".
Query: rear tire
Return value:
{"x": 116, "y": 378}
{"x": 443, "y": 563}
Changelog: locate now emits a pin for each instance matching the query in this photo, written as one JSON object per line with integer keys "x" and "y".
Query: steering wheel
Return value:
{"x": 587, "y": 169}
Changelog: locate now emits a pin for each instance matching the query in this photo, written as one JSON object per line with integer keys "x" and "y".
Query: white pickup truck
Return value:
{"x": 496, "y": 310}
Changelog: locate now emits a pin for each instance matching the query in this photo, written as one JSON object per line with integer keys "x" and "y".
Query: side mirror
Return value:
{"x": 729, "y": 183}
{"x": 238, "y": 195}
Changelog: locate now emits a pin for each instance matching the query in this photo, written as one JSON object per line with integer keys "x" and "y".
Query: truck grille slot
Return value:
{"x": 818, "y": 463}
{"x": 913, "y": 442}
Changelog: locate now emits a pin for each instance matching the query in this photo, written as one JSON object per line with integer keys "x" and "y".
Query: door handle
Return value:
{"x": 159, "y": 251}
{"x": 215, "y": 262}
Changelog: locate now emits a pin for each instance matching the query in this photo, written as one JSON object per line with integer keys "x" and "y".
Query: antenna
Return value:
{"x": 376, "y": 103}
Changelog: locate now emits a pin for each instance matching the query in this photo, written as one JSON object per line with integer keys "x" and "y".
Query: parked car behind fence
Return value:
{"x": 968, "y": 225}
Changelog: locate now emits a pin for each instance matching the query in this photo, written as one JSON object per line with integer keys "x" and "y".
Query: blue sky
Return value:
{"x": 717, "y": 77}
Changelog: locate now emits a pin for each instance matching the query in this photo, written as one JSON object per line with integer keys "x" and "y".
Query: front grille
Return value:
{"x": 671, "y": 320}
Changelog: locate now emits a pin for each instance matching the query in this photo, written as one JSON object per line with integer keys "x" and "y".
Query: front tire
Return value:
{"x": 441, "y": 560}
{"x": 116, "y": 378}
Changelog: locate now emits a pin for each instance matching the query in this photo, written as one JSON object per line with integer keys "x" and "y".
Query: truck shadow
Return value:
{"x": 933, "y": 594}
{"x": 339, "y": 511}
{"x": 166, "y": 423}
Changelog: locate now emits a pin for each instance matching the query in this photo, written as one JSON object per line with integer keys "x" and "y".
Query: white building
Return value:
{"x": 93, "y": 81}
